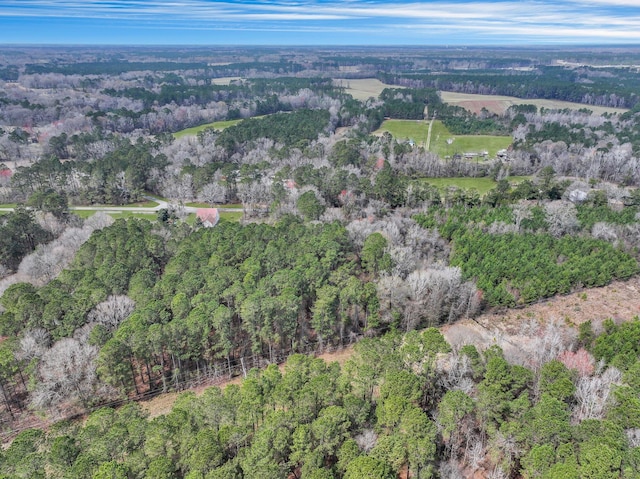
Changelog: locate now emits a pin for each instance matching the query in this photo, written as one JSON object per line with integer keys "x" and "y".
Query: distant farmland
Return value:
{"x": 499, "y": 104}
{"x": 417, "y": 130}
{"x": 362, "y": 89}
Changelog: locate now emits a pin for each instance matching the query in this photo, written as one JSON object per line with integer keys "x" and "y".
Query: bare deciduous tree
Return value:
{"x": 112, "y": 311}
{"x": 33, "y": 344}
{"x": 593, "y": 393}
{"x": 561, "y": 218}
{"x": 67, "y": 374}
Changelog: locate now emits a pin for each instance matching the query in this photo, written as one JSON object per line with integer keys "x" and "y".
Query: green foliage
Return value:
{"x": 619, "y": 345}
{"x": 310, "y": 206}
{"x": 365, "y": 467}
{"x": 19, "y": 236}
{"x": 286, "y": 128}
{"x": 374, "y": 256}
{"x": 103, "y": 266}
{"x": 589, "y": 215}
{"x": 556, "y": 381}
{"x": 513, "y": 268}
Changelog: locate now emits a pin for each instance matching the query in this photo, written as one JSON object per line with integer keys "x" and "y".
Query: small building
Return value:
{"x": 209, "y": 217}
{"x": 502, "y": 154}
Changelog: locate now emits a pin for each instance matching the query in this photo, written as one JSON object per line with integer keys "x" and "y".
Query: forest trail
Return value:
{"x": 163, "y": 403}
{"x": 619, "y": 301}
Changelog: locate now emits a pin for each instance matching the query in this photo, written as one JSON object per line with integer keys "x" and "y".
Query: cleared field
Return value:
{"x": 224, "y": 80}
{"x": 362, "y": 88}
{"x": 231, "y": 215}
{"x": 483, "y": 184}
{"x": 444, "y": 143}
{"x": 499, "y": 104}
{"x": 415, "y": 130}
{"x": 216, "y": 125}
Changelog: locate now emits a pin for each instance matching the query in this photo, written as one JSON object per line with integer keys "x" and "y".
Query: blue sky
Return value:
{"x": 309, "y": 22}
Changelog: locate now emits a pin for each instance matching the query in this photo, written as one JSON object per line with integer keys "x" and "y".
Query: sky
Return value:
{"x": 320, "y": 22}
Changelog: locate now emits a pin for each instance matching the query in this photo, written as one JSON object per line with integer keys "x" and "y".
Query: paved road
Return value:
{"x": 138, "y": 209}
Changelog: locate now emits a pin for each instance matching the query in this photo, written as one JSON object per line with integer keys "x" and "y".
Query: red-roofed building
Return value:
{"x": 5, "y": 172}
{"x": 290, "y": 184}
{"x": 208, "y": 216}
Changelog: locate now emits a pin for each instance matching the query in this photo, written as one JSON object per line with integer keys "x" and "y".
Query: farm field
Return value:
{"x": 482, "y": 184}
{"x": 363, "y": 88}
{"x": 217, "y": 125}
{"x": 224, "y": 80}
{"x": 417, "y": 130}
{"x": 464, "y": 143}
{"x": 499, "y": 104}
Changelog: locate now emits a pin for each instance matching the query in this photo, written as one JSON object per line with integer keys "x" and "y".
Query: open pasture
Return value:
{"x": 499, "y": 104}
{"x": 444, "y": 143}
{"x": 415, "y": 130}
{"x": 362, "y": 88}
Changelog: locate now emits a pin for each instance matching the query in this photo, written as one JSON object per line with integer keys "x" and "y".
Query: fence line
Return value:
{"x": 210, "y": 377}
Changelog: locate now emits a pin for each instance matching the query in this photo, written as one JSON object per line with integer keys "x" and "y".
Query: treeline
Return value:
{"x": 520, "y": 253}
{"x": 425, "y": 103}
{"x": 399, "y": 406}
{"x": 554, "y": 83}
{"x": 112, "y": 67}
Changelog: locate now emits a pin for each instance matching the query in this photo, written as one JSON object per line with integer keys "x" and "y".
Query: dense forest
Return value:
{"x": 402, "y": 405}
{"x": 333, "y": 231}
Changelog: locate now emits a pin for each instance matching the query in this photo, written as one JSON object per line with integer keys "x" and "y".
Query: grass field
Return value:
{"x": 464, "y": 143}
{"x": 231, "y": 215}
{"x": 417, "y": 130}
{"x": 362, "y": 89}
{"x": 483, "y": 184}
{"x": 406, "y": 129}
{"x": 216, "y": 125}
{"x": 499, "y": 104}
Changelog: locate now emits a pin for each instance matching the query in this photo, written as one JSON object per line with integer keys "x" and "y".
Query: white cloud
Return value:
{"x": 579, "y": 19}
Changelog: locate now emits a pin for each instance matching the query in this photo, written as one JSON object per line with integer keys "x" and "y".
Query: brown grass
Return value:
{"x": 499, "y": 104}
{"x": 363, "y": 88}
{"x": 224, "y": 80}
